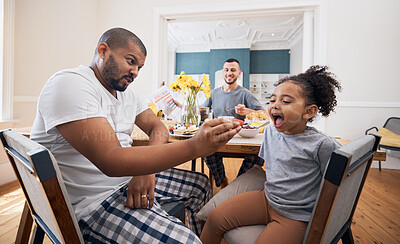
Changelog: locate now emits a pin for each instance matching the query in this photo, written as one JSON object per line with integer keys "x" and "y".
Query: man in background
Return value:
{"x": 231, "y": 99}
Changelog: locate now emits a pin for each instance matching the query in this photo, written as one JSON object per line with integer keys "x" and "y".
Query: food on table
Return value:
{"x": 179, "y": 129}
{"x": 247, "y": 126}
{"x": 257, "y": 115}
{"x": 241, "y": 122}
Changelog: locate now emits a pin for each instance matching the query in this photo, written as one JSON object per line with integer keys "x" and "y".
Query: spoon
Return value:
{"x": 257, "y": 127}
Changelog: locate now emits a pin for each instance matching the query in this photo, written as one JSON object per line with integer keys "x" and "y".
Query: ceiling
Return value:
{"x": 259, "y": 33}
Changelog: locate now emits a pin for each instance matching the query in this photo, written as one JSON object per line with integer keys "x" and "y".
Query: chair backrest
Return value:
{"x": 340, "y": 190}
{"x": 393, "y": 124}
{"x": 39, "y": 176}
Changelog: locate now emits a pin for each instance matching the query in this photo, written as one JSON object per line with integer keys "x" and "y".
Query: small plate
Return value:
{"x": 180, "y": 136}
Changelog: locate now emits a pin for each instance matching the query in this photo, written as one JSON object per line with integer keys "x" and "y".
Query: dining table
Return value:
{"x": 237, "y": 147}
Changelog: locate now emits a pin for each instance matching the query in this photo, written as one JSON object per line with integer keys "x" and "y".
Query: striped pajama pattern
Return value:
{"x": 114, "y": 223}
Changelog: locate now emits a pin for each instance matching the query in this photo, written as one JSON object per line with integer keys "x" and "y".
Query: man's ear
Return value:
{"x": 102, "y": 48}
{"x": 311, "y": 111}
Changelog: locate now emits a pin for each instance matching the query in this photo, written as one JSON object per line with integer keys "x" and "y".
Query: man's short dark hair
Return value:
{"x": 232, "y": 60}
{"x": 119, "y": 37}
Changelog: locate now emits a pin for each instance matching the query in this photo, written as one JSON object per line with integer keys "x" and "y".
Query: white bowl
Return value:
{"x": 249, "y": 133}
{"x": 228, "y": 118}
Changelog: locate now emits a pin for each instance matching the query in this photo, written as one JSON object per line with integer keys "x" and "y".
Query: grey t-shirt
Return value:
{"x": 220, "y": 99}
{"x": 294, "y": 166}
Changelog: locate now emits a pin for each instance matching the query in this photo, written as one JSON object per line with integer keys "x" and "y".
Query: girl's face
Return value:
{"x": 288, "y": 109}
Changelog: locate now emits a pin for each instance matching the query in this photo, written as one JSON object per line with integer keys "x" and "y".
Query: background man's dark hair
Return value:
{"x": 231, "y": 60}
{"x": 119, "y": 37}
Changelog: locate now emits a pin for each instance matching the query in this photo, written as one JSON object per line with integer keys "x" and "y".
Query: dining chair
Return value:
{"x": 47, "y": 208}
{"x": 339, "y": 192}
{"x": 393, "y": 125}
{"x": 47, "y": 203}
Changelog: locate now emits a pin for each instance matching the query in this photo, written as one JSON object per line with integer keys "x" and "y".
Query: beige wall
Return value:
{"x": 49, "y": 36}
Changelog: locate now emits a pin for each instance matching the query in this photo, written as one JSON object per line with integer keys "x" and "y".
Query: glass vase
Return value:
{"x": 190, "y": 111}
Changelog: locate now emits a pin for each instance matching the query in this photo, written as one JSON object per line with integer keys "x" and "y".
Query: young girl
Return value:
{"x": 295, "y": 158}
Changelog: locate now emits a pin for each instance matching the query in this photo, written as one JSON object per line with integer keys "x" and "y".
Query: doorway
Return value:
{"x": 313, "y": 45}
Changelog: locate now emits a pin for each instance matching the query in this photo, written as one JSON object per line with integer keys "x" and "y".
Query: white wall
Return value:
{"x": 363, "y": 50}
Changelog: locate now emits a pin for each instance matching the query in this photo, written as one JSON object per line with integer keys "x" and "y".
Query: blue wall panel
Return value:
{"x": 192, "y": 63}
{"x": 270, "y": 62}
{"x": 251, "y": 62}
{"x": 219, "y": 56}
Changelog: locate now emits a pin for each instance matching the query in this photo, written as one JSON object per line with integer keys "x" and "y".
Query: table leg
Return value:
{"x": 194, "y": 165}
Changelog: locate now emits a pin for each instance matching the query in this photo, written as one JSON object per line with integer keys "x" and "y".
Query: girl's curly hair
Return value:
{"x": 318, "y": 87}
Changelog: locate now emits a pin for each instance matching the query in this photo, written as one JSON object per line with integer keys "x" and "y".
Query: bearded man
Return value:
{"x": 85, "y": 117}
{"x": 231, "y": 99}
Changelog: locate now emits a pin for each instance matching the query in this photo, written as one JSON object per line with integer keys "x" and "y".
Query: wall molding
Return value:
{"x": 369, "y": 104}
{"x": 26, "y": 99}
{"x": 34, "y": 99}
{"x": 8, "y": 65}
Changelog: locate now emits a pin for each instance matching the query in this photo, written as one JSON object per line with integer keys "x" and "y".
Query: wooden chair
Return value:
{"x": 47, "y": 202}
{"x": 339, "y": 192}
{"x": 390, "y": 133}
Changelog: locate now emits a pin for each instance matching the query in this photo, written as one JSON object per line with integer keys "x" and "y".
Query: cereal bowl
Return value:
{"x": 249, "y": 133}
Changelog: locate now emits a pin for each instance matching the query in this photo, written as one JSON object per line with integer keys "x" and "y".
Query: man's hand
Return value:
{"x": 242, "y": 110}
{"x": 213, "y": 134}
{"x": 177, "y": 103}
{"x": 140, "y": 192}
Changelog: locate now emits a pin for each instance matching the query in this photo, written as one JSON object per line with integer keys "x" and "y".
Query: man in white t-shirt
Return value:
{"x": 85, "y": 118}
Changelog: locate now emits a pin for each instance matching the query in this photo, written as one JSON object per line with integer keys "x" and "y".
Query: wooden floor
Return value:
{"x": 376, "y": 220}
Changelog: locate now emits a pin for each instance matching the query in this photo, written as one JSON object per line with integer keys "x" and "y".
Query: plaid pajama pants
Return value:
{"x": 112, "y": 222}
{"x": 216, "y": 166}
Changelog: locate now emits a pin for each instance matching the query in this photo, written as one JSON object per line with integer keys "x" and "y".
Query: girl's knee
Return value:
{"x": 218, "y": 219}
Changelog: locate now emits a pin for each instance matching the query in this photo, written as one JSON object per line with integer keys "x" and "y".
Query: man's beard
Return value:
{"x": 230, "y": 83}
{"x": 110, "y": 71}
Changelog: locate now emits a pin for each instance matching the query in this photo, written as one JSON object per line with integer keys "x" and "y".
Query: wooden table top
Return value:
{"x": 236, "y": 147}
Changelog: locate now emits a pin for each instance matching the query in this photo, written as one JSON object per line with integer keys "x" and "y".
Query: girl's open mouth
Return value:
{"x": 278, "y": 120}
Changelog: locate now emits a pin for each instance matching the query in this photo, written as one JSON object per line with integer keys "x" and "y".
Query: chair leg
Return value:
{"x": 380, "y": 166}
{"x": 347, "y": 237}
{"x": 193, "y": 164}
{"x": 202, "y": 165}
{"x": 211, "y": 182}
{"x": 37, "y": 234}
{"x": 25, "y": 226}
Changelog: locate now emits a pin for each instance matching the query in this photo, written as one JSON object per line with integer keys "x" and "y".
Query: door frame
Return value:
{"x": 233, "y": 10}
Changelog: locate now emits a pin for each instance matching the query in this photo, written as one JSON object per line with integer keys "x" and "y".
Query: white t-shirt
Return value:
{"x": 77, "y": 94}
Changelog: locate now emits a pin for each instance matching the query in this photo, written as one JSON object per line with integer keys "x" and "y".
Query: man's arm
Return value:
{"x": 254, "y": 105}
{"x": 96, "y": 140}
{"x": 153, "y": 127}
{"x": 242, "y": 110}
{"x": 145, "y": 184}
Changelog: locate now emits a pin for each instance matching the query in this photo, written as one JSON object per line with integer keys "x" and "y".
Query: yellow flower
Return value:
{"x": 185, "y": 84}
{"x": 188, "y": 89}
